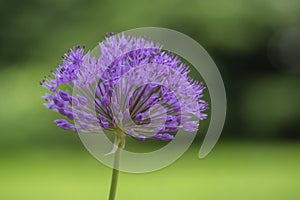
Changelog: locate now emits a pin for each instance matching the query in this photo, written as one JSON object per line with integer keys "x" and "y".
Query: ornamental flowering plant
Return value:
{"x": 133, "y": 89}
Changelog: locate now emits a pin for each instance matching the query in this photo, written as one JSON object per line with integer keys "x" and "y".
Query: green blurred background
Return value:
{"x": 256, "y": 46}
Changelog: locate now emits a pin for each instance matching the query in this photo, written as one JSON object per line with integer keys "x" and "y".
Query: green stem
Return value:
{"x": 115, "y": 173}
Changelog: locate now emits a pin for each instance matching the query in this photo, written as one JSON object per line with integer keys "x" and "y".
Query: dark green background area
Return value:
{"x": 258, "y": 154}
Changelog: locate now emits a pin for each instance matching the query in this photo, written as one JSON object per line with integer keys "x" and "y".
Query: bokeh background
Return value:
{"x": 256, "y": 45}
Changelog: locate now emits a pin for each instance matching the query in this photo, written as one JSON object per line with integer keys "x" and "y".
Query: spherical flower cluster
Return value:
{"x": 133, "y": 88}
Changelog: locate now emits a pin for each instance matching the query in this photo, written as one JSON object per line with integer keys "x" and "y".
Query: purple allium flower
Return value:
{"x": 134, "y": 87}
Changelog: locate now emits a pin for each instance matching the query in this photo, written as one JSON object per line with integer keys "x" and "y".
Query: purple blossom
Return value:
{"x": 141, "y": 87}
{"x": 64, "y": 124}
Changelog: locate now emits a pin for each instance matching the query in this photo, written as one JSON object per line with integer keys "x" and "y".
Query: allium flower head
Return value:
{"x": 134, "y": 88}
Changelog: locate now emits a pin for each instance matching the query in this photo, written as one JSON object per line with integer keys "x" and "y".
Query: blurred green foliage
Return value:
{"x": 34, "y": 34}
